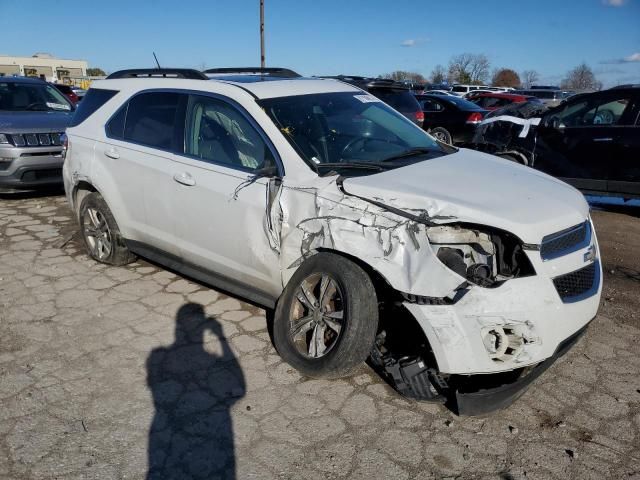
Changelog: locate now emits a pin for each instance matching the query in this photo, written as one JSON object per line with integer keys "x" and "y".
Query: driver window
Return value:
{"x": 608, "y": 113}
{"x": 218, "y": 133}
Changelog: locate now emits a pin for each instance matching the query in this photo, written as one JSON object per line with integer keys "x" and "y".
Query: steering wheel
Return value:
{"x": 604, "y": 117}
{"x": 352, "y": 143}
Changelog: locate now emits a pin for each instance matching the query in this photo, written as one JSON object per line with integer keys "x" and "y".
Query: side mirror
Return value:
{"x": 267, "y": 171}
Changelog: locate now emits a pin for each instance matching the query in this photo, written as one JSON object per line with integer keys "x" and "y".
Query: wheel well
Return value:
{"x": 81, "y": 190}
{"x": 384, "y": 291}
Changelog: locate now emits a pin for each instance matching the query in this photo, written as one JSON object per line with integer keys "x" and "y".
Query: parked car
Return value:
{"x": 494, "y": 101}
{"x": 441, "y": 92}
{"x": 395, "y": 94}
{"x": 462, "y": 275}
{"x": 80, "y": 92}
{"x": 551, "y": 98}
{"x": 450, "y": 119}
{"x": 67, "y": 91}
{"x": 460, "y": 90}
{"x": 33, "y": 116}
{"x": 591, "y": 141}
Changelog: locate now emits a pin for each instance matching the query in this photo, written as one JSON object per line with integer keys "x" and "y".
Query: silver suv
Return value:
{"x": 33, "y": 117}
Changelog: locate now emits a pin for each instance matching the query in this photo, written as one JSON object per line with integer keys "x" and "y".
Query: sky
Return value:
{"x": 332, "y": 37}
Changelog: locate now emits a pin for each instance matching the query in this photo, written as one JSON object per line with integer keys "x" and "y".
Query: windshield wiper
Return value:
{"x": 355, "y": 165}
{"x": 410, "y": 153}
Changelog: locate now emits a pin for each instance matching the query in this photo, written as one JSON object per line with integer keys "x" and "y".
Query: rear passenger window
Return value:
{"x": 217, "y": 132}
{"x": 92, "y": 101}
{"x": 115, "y": 127}
{"x": 152, "y": 119}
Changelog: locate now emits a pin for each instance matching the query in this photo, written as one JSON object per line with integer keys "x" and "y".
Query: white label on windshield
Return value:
{"x": 58, "y": 106}
{"x": 366, "y": 98}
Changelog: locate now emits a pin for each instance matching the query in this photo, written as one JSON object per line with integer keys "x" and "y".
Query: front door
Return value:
{"x": 576, "y": 142}
{"x": 219, "y": 205}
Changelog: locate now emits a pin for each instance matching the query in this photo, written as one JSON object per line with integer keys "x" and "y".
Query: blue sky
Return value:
{"x": 331, "y": 36}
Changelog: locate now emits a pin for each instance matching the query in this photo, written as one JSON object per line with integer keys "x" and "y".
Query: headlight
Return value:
{"x": 3, "y": 138}
{"x": 468, "y": 252}
{"x": 483, "y": 255}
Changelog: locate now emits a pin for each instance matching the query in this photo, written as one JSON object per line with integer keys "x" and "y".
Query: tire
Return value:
{"x": 441, "y": 134}
{"x": 100, "y": 232}
{"x": 347, "y": 289}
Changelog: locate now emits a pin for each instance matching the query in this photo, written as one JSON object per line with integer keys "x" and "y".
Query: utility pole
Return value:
{"x": 262, "y": 33}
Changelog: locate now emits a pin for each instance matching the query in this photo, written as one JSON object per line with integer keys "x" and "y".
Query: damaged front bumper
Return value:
{"x": 486, "y": 400}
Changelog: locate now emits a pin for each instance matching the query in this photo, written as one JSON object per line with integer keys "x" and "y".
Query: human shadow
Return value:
{"x": 191, "y": 435}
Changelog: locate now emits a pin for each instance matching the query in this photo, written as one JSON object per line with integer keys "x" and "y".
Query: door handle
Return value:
{"x": 184, "y": 178}
{"x": 112, "y": 153}
{"x": 604, "y": 139}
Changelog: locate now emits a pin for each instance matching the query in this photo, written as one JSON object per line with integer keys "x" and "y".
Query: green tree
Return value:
{"x": 95, "y": 72}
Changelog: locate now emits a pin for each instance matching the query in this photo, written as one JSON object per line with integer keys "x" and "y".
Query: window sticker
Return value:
{"x": 366, "y": 98}
{"x": 58, "y": 106}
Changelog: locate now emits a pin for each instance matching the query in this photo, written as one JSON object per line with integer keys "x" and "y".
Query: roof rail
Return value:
{"x": 187, "y": 73}
{"x": 272, "y": 71}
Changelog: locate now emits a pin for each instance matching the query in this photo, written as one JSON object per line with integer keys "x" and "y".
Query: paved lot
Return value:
{"x": 108, "y": 372}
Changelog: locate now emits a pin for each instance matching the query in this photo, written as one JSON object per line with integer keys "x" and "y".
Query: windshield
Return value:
{"x": 20, "y": 97}
{"x": 349, "y": 128}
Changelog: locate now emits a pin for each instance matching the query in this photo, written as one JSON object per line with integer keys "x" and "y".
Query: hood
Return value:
{"x": 34, "y": 122}
{"x": 474, "y": 187}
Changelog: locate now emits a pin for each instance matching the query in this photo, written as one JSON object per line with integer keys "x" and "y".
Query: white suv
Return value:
{"x": 453, "y": 270}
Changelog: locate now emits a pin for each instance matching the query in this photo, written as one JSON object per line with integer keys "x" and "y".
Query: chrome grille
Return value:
{"x": 566, "y": 241}
{"x": 579, "y": 284}
{"x": 36, "y": 139}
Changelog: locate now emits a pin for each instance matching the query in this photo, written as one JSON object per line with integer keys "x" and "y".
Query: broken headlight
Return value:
{"x": 485, "y": 257}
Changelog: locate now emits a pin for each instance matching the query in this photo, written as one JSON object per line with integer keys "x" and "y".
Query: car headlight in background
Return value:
{"x": 4, "y": 138}
{"x": 484, "y": 256}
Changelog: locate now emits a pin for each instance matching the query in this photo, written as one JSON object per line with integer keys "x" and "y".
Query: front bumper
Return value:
{"x": 530, "y": 306}
{"x": 489, "y": 400}
{"x": 30, "y": 167}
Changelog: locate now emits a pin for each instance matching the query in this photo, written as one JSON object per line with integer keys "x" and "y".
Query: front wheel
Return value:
{"x": 327, "y": 317}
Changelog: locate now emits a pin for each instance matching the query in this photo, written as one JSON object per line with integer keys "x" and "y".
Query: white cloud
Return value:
{"x": 614, "y": 3}
{"x": 411, "y": 42}
{"x": 634, "y": 57}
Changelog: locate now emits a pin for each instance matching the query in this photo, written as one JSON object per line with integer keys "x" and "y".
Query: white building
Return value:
{"x": 44, "y": 66}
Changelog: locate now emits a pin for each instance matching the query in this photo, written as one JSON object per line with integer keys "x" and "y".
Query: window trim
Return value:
{"x": 229, "y": 101}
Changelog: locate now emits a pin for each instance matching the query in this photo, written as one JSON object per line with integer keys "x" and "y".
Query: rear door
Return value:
{"x": 624, "y": 168}
{"x": 575, "y": 142}
{"x": 142, "y": 137}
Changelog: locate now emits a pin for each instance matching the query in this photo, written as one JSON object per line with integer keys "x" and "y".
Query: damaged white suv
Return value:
{"x": 460, "y": 275}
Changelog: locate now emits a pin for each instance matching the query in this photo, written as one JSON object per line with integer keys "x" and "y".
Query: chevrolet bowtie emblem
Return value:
{"x": 590, "y": 254}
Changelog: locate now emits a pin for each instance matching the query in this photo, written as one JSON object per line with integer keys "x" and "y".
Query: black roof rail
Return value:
{"x": 271, "y": 71}
{"x": 369, "y": 81}
{"x": 187, "y": 73}
{"x": 626, "y": 85}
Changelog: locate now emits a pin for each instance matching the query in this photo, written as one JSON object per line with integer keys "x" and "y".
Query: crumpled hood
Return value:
{"x": 474, "y": 187}
{"x": 34, "y": 122}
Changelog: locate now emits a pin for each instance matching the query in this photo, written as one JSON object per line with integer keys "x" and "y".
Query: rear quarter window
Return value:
{"x": 93, "y": 100}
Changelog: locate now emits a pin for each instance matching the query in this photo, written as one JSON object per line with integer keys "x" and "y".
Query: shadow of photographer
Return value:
{"x": 193, "y": 390}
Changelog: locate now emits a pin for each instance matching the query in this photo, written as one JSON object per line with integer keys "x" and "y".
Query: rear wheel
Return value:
{"x": 100, "y": 232}
{"x": 326, "y": 320}
{"x": 441, "y": 134}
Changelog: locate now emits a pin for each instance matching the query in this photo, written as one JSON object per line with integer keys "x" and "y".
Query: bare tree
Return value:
{"x": 438, "y": 74}
{"x": 505, "y": 77}
{"x": 529, "y": 77}
{"x": 469, "y": 68}
{"x": 403, "y": 76}
{"x": 581, "y": 78}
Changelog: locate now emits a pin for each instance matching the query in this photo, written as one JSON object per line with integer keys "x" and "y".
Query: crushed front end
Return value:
{"x": 521, "y": 307}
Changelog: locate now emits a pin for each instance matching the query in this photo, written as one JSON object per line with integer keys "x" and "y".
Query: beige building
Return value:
{"x": 44, "y": 66}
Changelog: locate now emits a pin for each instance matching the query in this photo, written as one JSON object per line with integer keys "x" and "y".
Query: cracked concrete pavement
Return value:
{"x": 136, "y": 372}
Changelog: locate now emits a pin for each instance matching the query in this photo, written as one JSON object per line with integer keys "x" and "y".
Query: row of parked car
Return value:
{"x": 315, "y": 198}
